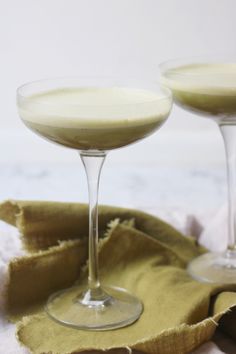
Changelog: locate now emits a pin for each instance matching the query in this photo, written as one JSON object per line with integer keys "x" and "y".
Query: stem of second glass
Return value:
{"x": 93, "y": 163}
{"x": 229, "y": 135}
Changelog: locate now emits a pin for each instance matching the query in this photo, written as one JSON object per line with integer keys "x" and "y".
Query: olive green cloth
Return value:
{"x": 139, "y": 252}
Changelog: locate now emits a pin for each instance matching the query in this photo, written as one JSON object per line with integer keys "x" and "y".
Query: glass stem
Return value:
{"x": 93, "y": 163}
{"x": 229, "y": 136}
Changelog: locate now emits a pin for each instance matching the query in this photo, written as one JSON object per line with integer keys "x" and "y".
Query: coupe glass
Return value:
{"x": 93, "y": 116}
{"x": 208, "y": 87}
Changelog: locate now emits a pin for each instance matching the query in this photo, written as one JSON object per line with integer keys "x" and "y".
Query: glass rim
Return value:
{"x": 164, "y": 91}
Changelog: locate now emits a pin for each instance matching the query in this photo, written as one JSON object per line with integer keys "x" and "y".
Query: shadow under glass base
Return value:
{"x": 112, "y": 308}
{"x": 214, "y": 268}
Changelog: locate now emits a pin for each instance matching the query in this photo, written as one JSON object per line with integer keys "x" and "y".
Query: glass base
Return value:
{"x": 214, "y": 268}
{"x": 102, "y": 309}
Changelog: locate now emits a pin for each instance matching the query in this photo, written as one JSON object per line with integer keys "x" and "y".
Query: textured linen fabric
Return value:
{"x": 146, "y": 256}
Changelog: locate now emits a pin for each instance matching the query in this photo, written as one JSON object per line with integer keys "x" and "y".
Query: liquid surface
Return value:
{"x": 94, "y": 118}
{"x": 209, "y": 89}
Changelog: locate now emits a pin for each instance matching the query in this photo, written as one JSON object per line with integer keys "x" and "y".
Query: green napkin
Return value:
{"x": 139, "y": 252}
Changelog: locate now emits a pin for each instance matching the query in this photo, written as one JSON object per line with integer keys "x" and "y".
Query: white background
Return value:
{"x": 49, "y": 38}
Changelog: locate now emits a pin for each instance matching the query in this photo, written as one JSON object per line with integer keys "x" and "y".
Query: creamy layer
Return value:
{"x": 94, "y": 107}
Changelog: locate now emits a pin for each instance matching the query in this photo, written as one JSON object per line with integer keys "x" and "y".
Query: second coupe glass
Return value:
{"x": 208, "y": 87}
